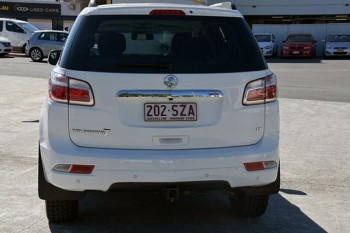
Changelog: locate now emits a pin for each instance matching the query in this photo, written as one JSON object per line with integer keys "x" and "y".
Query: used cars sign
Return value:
{"x": 26, "y": 9}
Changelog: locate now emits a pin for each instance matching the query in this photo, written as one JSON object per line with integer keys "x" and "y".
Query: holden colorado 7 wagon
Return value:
{"x": 163, "y": 96}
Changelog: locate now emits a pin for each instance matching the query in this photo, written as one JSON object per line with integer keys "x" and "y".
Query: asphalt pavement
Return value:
{"x": 315, "y": 186}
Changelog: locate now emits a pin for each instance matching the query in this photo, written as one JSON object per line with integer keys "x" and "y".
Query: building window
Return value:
{"x": 57, "y": 24}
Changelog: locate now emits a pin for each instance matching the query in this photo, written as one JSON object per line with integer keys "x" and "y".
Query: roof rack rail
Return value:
{"x": 227, "y": 5}
{"x": 95, "y": 3}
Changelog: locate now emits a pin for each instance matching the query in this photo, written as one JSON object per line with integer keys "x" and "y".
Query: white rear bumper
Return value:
{"x": 120, "y": 166}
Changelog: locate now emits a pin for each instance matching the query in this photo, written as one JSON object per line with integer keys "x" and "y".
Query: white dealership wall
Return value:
{"x": 290, "y": 7}
{"x": 319, "y": 31}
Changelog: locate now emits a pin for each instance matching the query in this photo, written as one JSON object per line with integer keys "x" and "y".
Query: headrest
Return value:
{"x": 111, "y": 44}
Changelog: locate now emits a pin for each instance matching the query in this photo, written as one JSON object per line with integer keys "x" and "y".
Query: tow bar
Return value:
{"x": 172, "y": 194}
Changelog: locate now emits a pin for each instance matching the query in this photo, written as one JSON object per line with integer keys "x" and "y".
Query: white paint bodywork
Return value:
{"x": 215, "y": 148}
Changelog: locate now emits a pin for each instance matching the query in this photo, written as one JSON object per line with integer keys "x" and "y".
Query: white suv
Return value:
{"x": 163, "y": 96}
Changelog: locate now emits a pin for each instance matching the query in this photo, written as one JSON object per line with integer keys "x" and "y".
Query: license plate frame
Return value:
{"x": 168, "y": 112}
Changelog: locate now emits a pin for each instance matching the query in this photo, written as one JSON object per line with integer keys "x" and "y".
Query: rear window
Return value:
{"x": 162, "y": 44}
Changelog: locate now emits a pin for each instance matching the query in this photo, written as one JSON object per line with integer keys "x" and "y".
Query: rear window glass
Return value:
{"x": 158, "y": 44}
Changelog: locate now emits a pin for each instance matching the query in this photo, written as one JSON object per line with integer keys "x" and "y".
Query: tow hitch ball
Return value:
{"x": 172, "y": 194}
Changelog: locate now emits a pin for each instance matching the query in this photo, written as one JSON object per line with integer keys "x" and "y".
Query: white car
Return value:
{"x": 16, "y": 31}
{"x": 159, "y": 96}
{"x": 5, "y": 46}
{"x": 267, "y": 44}
{"x": 337, "y": 45}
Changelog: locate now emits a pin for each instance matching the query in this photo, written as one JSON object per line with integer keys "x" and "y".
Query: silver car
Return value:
{"x": 42, "y": 42}
{"x": 337, "y": 45}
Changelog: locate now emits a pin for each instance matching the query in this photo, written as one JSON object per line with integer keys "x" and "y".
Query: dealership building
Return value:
{"x": 54, "y": 14}
{"x": 283, "y": 17}
{"x": 280, "y": 17}
{"x": 49, "y": 14}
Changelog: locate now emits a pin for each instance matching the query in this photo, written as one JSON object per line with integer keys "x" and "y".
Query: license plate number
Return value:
{"x": 170, "y": 112}
{"x": 295, "y": 52}
{"x": 340, "y": 50}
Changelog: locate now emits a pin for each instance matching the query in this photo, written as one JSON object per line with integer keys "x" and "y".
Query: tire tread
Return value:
{"x": 61, "y": 210}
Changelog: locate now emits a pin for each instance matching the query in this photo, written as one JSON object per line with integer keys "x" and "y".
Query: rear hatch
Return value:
{"x": 164, "y": 82}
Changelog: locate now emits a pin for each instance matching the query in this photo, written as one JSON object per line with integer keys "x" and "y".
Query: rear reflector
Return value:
{"x": 257, "y": 166}
{"x": 167, "y": 12}
{"x": 81, "y": 169}
{"x": 74, "y": 168}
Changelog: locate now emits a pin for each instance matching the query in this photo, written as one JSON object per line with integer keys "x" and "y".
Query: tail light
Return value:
{"x": 167, "y": 12}
{"x": 67, "y": 90}
{"x": 28, "y": 41}
{"x": 261, "y": 91}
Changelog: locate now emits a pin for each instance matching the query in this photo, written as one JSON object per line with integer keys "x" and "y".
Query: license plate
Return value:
{"x": 340, "y": 50}
{"x": 170, "y": 112}
{"x": 295, "y": 52}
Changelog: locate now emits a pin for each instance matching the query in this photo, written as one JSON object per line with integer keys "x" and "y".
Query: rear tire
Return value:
{"x": 23, "y": 50}
{"x": 249, "y": 206}
{"x": 59, "y": 211}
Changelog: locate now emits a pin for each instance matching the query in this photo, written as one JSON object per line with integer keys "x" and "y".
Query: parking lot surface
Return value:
{"x": 315, "y": 154}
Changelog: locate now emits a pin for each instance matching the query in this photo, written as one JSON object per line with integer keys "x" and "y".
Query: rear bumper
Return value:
{"x": 113, "y": 167}
{"x": 335, "y": 53}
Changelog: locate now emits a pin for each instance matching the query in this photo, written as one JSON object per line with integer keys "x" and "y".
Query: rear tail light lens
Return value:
{"x": 70, "y": 91}
{"x": 167, "y": 12}
{"x": 58, "y": 88}
{"x": 261, "y": 91}
{"x": 80, "y": 93}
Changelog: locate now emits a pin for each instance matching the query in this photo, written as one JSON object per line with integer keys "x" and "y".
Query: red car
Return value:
{"x": 299, "y": 45}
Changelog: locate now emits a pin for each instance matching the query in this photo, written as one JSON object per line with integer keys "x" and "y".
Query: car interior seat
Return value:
{"x": 111, "y": 44}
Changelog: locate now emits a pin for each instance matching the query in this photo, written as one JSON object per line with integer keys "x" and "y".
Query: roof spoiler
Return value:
{"x": 227, "y": 5}
{"x": 95, "y": 3}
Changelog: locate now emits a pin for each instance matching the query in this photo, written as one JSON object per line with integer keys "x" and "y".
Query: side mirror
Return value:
{"x": 54, "y": 56}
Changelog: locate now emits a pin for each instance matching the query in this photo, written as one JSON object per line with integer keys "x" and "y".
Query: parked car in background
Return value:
{"x": 42, "y": 42}
{"x": 5, "y": 46}
{"x": 17, "y": 32}
{"x": 267, "y": 44}
{"x": 337, "y": 45}
{"x": 299, "y": 45}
